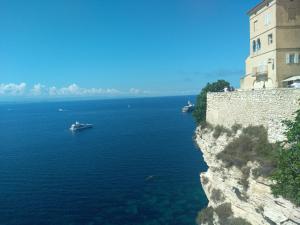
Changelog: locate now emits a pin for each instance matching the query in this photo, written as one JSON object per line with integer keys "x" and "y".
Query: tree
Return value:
{"x": 201, "y": 104}
{"x": 293, "y": 129}
{"x": 287, "y": 174}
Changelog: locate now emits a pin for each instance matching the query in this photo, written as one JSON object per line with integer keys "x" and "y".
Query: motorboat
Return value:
{"x": 80, "y": 126}
{"x": 188, "y": 108}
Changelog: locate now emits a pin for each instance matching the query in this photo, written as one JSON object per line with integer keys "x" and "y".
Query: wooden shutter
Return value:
{"x": 287, "y": 58}
{"x": 297, "y": 58}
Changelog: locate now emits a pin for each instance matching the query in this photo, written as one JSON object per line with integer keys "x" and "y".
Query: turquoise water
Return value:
{"x": 137, "y": 166}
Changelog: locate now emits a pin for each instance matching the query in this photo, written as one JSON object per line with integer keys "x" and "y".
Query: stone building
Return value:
{"x": 274, "y": 59}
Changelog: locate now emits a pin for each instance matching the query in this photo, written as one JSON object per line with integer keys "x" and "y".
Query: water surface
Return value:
{"x": 137, "y": 166}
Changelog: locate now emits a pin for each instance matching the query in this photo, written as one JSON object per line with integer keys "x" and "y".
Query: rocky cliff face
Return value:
{"x": 223, "y": 185}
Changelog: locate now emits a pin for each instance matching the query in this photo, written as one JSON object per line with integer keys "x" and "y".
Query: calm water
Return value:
{"x": 137, "y": 166}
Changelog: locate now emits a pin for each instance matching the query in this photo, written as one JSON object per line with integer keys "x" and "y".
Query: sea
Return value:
{"x": 138, "y": 165}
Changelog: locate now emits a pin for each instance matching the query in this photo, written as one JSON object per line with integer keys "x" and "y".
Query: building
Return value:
{"x": 274, "y": 59}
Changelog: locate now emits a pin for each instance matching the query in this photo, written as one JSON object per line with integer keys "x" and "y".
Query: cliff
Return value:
{"x": 222, "y": 185}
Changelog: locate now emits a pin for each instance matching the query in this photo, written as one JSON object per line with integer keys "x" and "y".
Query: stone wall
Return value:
{"x": 259, "y": 107}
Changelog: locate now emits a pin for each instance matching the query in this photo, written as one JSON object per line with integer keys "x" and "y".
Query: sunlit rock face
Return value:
{"x": 256, "y": 204}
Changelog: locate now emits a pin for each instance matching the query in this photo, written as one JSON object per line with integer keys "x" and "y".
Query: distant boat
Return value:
{"x": 149, "y": 178}
{"x": 188, "y": 108}
{"x": 80, "y": 126}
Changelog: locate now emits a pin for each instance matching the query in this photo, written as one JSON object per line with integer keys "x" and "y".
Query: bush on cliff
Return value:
{"x": 224, "y": 214}
{"x": 287, "y": 174}
{"x": 282, "y": 164}
{"x": 219, "y": 130}
{"x": 224, "y": 211}
{"x": 201, "y": 104}
{"x": 238, "y": 221}
{"x": 206, "y": 216}
{"x": 251, "y": 145}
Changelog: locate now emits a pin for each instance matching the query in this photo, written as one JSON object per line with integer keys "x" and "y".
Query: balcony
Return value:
{"x": 260, "y": 72}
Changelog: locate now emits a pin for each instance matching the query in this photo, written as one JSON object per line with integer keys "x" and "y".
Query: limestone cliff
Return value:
{"x": 256, "y": 204}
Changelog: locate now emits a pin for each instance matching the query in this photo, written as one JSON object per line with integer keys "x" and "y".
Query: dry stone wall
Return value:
{"x": 257, "y": 107}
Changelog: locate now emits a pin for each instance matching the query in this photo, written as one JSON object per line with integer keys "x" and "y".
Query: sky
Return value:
{"x": 115, "y": 48}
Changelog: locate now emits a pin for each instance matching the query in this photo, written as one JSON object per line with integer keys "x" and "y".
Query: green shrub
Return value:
{"x": 237, "y": 221}
{"x": 224, "y": 211}
{"x": 201, "y": 104}
{"x": 251, "y": 145}
{"x": 206, "y": 216}
{"x": 287, "y": 173}
{"x": 293, "y": 129}
{"x": 225, "y": 214}
{"x": 265, "y": 170}
{"x": 217, "y": 196}
{"x": 219, "y": 130}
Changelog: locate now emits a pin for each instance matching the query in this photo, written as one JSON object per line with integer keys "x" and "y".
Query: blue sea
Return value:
{"x": 138, "y": 165}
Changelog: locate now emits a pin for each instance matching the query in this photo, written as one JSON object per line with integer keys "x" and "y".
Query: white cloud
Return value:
{"x": 134, "y": 91}
{"x": 12, "y": 89}
{"x": 37, "y": 89}
{"x": 75, "y": 90}
{"x": 53, "y": 91}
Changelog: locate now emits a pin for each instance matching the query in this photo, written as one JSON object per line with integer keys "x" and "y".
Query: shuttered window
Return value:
{"x": 292, "y": 58}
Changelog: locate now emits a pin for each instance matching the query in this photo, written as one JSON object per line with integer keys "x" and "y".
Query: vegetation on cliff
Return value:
{"x": 287, "y": 173}
{"x": 252, "y": 145}
{"x": 201, "y": 104}
{"x": 224, "y": 214}
{"x": 280, "y": 161}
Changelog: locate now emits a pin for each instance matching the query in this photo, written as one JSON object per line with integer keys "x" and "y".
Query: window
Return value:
{"x": 268, "y": 17}
{"x": 270, "y": 39}
{"x": 292, "y": 58}
{"x": 255, "y": 26}
{"x": 254, "y": 46}
{"x": 258, "y": 46}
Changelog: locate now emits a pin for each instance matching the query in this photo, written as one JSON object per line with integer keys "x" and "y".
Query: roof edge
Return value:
{"x": 258, "y": 7}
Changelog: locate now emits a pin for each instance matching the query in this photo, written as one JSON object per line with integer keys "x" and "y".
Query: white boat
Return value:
{"x": 80, "y": 126}
{"x": 188, "y": 108}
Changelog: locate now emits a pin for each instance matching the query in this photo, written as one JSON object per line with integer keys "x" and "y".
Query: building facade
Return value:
{"x": 274, "y": 59}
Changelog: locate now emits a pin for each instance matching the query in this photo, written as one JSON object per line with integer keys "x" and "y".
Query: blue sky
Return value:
{"x": 117, "y": 47}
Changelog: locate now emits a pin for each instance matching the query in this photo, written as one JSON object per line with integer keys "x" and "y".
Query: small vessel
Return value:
{"x": 80, "y": 126}
{"x": 188, "y": 108}
{"x": 149, "y": 178}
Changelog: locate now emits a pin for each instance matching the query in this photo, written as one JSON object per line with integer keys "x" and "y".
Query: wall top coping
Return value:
{"x": 260, "y": 91}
